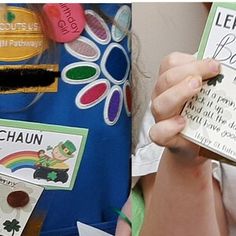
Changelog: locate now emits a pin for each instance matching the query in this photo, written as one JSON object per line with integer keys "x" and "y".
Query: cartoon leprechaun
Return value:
{"x": 53, "y": 167}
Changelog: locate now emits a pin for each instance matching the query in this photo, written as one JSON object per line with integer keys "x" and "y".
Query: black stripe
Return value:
{"x": 24, "y": 78}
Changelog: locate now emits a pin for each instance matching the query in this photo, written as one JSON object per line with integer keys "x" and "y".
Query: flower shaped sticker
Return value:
{"x": 113, "y": 64}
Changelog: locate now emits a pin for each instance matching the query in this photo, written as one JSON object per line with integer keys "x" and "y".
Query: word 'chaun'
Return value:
{"x": 20, "y": 137}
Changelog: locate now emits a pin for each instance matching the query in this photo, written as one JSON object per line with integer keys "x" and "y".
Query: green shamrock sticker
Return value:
{"x": 215, "y": 80}
{"x": 52, "y": 175}
{"x": 10, "y": 16}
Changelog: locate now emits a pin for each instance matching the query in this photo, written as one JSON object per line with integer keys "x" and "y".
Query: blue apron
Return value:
{"x": 103, "y": 179}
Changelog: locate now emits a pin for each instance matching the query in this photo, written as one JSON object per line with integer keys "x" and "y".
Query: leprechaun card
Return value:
{"x": 47, "y": 155}
{"x": 211, "y": 114}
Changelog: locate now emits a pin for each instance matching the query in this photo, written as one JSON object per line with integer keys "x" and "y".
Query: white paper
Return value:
{"x": 13, "y": 220}
{"x": 87, "y": 230}
{"x": 222, "y": 40}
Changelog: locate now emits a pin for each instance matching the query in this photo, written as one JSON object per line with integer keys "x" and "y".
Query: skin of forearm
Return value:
{"x": 147, "y": 183}
{"x": 182, "y": 202}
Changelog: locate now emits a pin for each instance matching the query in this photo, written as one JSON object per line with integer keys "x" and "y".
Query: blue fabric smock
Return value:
{"x": 103, "y": 179}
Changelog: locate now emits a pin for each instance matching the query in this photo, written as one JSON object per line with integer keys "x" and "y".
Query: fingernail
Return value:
{"x": 214, "y": 66}
{"x": 195, "y": 82}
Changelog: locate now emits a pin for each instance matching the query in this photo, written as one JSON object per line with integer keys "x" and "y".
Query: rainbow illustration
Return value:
{"x": 20, "y": 160}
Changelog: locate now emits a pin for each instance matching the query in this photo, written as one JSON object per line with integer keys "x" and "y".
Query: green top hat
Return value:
{"x": 67, "y": 148}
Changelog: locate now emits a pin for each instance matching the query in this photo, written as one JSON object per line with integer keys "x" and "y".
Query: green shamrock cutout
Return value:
{"x": 215, "y": 80}
{"x": 10, "y": 16}
{"x": 52, "y": 175}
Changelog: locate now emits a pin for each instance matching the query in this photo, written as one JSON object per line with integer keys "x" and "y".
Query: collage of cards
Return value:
{"x": 117, "y": 118}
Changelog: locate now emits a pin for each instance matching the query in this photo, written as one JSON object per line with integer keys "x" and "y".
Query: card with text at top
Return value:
{"x": 211, "y": 114}
{"x": 43, "y": 154}
{"x": 17, "y": 202}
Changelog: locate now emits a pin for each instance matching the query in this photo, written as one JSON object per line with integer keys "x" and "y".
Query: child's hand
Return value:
{"x": 180, "y": 78}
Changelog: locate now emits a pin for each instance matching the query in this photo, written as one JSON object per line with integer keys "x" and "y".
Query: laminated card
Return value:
{"x": 211, "y": 114}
